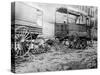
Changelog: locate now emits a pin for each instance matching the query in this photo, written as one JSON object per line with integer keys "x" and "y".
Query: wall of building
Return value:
{"x": 48, "y": 29}
{"x": 27, "y": 15}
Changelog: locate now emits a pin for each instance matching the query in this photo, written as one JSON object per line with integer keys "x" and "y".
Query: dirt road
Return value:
{"x": 68, "y": 59}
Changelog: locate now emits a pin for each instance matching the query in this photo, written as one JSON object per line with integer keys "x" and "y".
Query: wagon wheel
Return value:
{"x": 73, "y": 40}
{"x": 78, "y": 44}
{"x": 83, "y": 44}
{"x": 22, "y": 36}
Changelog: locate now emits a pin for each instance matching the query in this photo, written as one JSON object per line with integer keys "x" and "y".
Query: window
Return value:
{"x": 71, "y": 19}
{"x": 81, "y": 20}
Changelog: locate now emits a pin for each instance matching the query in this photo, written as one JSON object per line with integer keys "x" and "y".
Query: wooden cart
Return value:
{"x": 75, "y": 27}
{"x": 24, "y": 37}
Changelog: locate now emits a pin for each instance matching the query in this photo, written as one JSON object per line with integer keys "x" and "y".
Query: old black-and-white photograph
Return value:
{"x": 53, "y": 37}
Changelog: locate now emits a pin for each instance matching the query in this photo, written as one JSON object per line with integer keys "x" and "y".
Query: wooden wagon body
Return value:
{"x": 74, "y": 25}
{"x": 26, "y": 25}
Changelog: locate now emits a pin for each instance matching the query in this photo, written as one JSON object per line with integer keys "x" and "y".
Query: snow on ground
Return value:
{"x": 60, "y": 60}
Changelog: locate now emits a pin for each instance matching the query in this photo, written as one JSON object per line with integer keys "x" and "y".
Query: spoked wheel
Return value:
{"x": 83, "y": 44}
{"x": 22, "y": 37}
{"x": 73, "y": 40}
{"x": 78, "y": 44}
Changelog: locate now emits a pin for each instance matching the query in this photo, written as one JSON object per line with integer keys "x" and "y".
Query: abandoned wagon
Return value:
{"x": 24, "y": 28}
{"x": 73, "y": 26}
